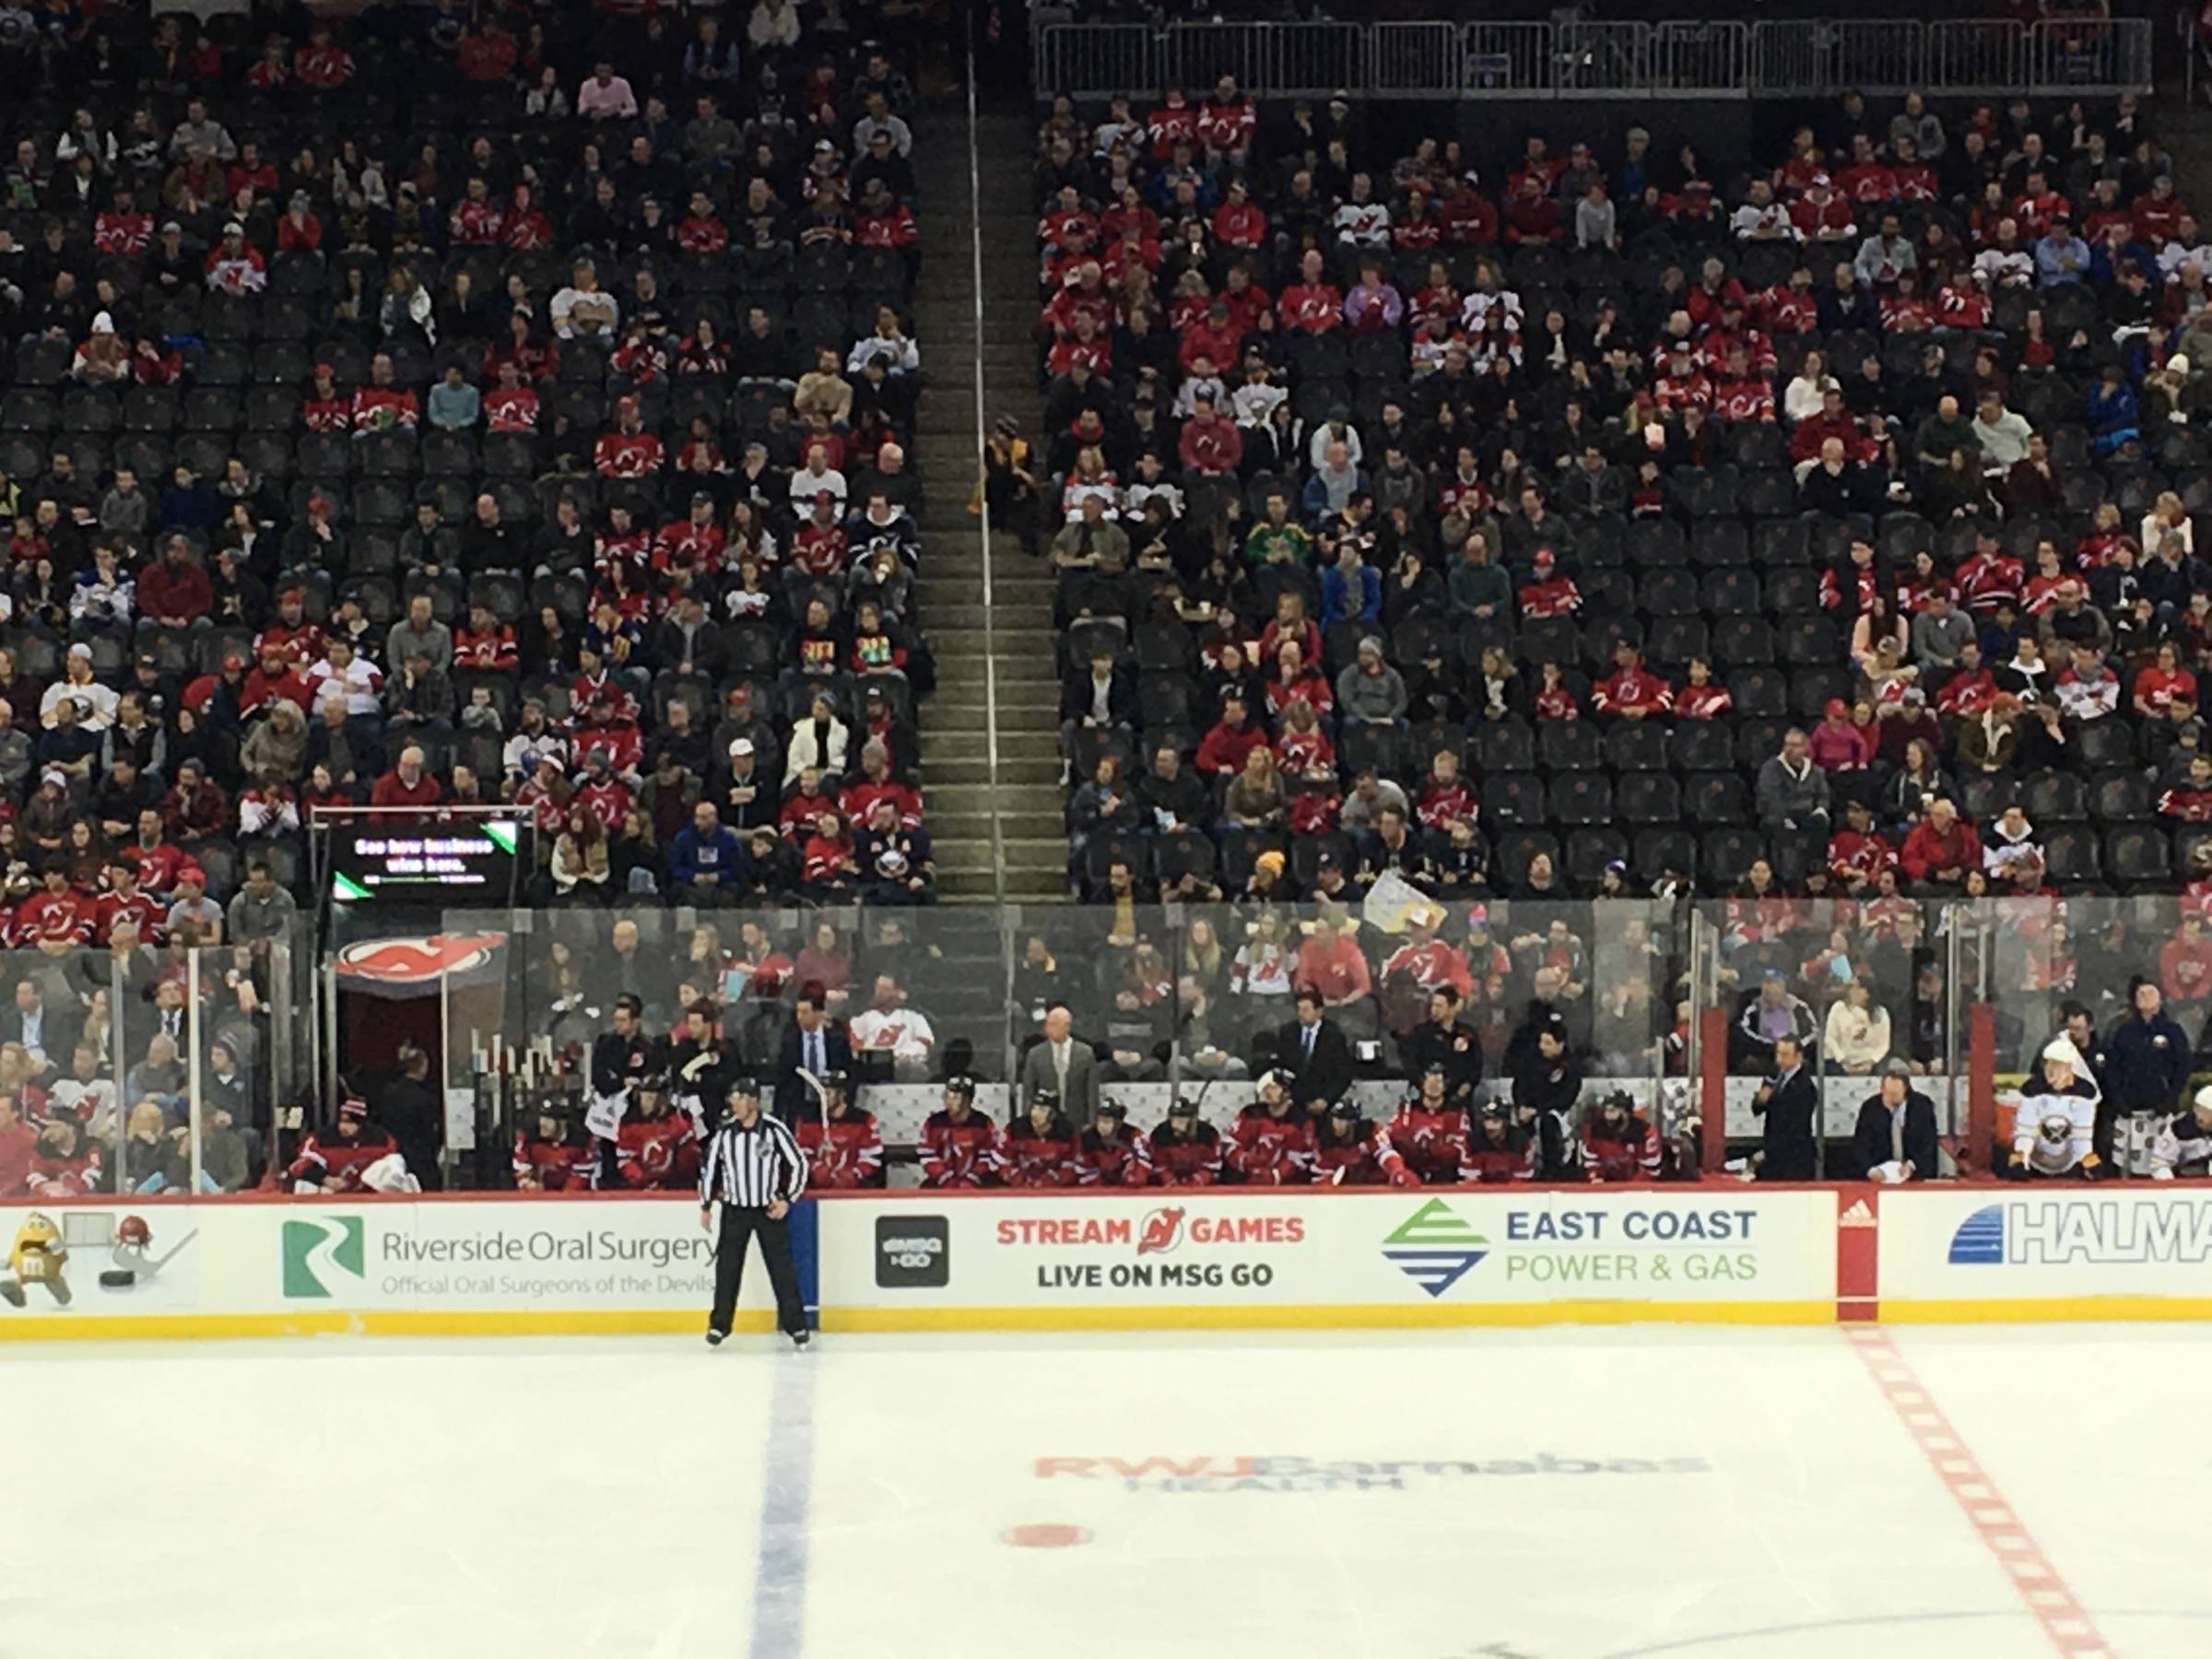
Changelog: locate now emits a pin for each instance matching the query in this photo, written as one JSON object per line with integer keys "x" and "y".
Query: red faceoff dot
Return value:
{"x": 1046, "y": 1535}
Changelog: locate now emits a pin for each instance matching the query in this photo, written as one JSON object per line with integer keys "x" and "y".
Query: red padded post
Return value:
{"x": 1972, "y": 1151}
{"x": 1713, "y": 1089}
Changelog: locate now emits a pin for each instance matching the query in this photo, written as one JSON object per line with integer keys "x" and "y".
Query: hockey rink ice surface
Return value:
{"x": 1523, "y": 1494}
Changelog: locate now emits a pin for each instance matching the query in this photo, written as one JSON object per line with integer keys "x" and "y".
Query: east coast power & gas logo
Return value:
{"x": 1566, "y": 1242}
{"x": 1434, "y": 1248}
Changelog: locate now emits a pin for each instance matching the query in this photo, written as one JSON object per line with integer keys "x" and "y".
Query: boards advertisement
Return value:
{"x": 247, "y": 1267}
{"x": 1221, "y": 1258}
{"x": 1289, "y": 1257}
{"x": 2049, "y": 1252}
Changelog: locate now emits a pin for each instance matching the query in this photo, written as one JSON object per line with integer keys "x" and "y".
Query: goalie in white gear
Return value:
{"x": 2054, "y": 1133}
{"x": 2183, "y": 1145}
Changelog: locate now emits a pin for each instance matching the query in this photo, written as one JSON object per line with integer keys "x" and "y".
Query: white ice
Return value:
{"x": 365, "y": 1497}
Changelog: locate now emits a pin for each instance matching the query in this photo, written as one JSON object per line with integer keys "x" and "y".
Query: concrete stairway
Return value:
{"x": 955, "y": 738}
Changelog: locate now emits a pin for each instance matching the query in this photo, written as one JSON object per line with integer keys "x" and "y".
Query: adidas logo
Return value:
{"x": 1858, "y": 1215}
{"x": 1434, "y": 1248}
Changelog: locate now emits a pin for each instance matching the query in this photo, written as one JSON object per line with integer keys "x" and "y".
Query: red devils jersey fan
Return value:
{"x": 1617, "y": 1143}
{"x": 960, "y": 1146}
{"x": 1186, "y": 1150}
{"x": 1495, "y": 1155}
{"x": 1272, "y": 1142}
{"x": 656, "y": 1146}
{"x": 64, "y": 1162}
{"x": 333, "y": 1160}
{"x": 1429, "y": 1133}
{"x": 57, "y": 915}
{"x": 844, "y": 1145}
{"x": 1039, "y": 1148}
{"x": 1348, "y": 1150}
{"x": 1110, "y": 1153}
{"x": 550, "y": 1159}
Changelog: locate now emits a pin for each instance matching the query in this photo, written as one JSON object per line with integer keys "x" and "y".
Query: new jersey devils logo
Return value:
{"x": 417, "y": 962}
{"x": 1163, "y": 1231}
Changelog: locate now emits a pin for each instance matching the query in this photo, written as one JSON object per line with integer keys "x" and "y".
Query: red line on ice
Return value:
{"x": 2045, "y": 1594}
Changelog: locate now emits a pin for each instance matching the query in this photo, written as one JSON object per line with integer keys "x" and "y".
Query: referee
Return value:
{"x": 754, "y": 1166}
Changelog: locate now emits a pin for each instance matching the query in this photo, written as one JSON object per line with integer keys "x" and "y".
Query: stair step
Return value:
{"x": 1032, "y": 612}
{"x": 1012, "y": 744}
{"x": 1012, "y": 670}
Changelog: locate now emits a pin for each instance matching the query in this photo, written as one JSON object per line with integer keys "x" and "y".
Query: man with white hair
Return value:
{"x": 1335, "y": 481}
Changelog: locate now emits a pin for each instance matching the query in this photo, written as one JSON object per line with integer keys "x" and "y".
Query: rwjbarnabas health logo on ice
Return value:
{"x": 1568, "y": 1244}
{"x": 641, "y": 1251}
{"x": 1222, "y": 1473}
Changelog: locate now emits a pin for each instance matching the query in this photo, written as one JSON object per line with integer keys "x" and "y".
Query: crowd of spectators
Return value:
{"x": 1813, "y": 533}
{"x": 1626, "y": 515}
{"x": 435, "y": 407}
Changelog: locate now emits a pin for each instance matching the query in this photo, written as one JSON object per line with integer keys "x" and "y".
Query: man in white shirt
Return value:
{"x": 1362, "y": 221}
{"x": 1762, "y": 218}
{"x": 605, "y": 95}
{"x": 583, "y": 310}
{"x": 2006, "y": 264}
{"x": 815, "y": 476}
{"x": 888, "y": 1027}
{"x": 1253, "y": 402}
{"x": 2002, "y": 433}
{"x": 86, "y": 1095}
{"x": 2188, "y": 245}
{"x": 358, "y": 680}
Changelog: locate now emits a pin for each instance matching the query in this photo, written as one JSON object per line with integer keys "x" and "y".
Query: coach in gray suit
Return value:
{"x": 1063, "y": 1063}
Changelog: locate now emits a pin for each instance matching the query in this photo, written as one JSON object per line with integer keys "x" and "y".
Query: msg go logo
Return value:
{"x": 318, "y": 1254}
{"x": 912, "y": 1253}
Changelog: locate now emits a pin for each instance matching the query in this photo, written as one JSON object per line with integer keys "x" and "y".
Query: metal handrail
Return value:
{"x": 1672, "y": 58}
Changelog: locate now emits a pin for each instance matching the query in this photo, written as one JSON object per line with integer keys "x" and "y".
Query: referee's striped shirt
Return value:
{"x": 752, "y": 1168}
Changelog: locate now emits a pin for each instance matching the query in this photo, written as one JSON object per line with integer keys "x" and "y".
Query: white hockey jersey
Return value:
{"x": 2182, "y": 1147}
{"x": 2053, "y": 1129}
{"x": 2053, "y": 1132}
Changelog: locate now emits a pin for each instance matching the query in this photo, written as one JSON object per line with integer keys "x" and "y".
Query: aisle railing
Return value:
{"x": 1678, "y": 58}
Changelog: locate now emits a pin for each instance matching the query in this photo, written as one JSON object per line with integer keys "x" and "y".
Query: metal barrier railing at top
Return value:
{"x": 1576, "y": 59}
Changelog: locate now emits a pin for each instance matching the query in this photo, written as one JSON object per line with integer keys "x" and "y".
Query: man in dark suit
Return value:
{"x": 1895, "y": 1139}
{"x": 813, "y": 1042}
{"x": 1316, "y": 1054}
{"x": 47, "y": 1032}
{"x": 1790, "y": 1102}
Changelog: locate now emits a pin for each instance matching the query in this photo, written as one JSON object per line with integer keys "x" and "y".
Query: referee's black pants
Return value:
{"x": 740, "y": 1223}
